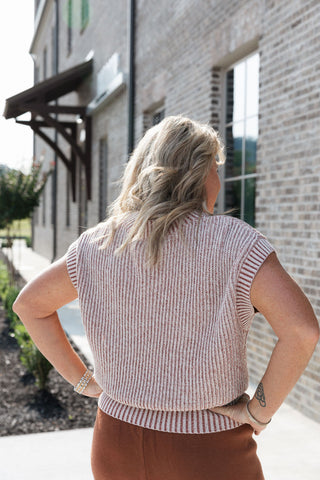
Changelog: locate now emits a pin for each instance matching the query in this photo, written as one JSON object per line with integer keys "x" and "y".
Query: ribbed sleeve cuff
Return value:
{"x": 257, "y": 255}
{"x": 72, "y": 263}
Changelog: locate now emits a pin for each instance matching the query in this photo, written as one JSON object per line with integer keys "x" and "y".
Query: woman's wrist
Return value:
{"x": 83, "y": 382}
{"x": 262, "y": 422}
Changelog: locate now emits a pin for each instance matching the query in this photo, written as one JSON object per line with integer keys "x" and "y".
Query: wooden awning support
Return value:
{"x": 35, "y": 100}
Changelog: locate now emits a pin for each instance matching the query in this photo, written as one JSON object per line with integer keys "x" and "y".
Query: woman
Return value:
{"x": 167, "y": 293}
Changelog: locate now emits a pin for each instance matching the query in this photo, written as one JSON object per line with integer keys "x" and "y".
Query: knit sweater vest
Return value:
{"x": 169, "y": 342}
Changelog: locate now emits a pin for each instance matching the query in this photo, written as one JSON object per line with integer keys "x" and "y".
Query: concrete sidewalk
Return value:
{"x": 289, "y": 449}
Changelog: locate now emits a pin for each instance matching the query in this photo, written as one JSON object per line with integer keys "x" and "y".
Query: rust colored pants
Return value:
{"x": 123, "y": 451}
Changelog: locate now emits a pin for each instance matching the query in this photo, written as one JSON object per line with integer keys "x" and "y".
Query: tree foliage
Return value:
{"x": 20, "y": 193}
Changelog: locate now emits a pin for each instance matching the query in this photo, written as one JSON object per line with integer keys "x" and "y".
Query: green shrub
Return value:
{"x": 10, "y": 296}
{"x": 28, "y": 242}
{"x": 4, "y": 280}
{"x": 31, "y": 357}
{"x": 7, "y": 243}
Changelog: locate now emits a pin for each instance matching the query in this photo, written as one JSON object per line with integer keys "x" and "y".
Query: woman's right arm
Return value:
{"x": 281, "y": 301}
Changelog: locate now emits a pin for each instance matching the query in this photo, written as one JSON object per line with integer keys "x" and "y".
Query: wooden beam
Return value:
{"x": 43, "y": 107}
{"x": 53, "y": 145}
{"x": 69, "y": 138}
{"x": 42, "y": 124}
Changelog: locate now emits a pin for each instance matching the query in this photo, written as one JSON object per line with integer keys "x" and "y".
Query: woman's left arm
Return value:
{"x": 36, "y": 306}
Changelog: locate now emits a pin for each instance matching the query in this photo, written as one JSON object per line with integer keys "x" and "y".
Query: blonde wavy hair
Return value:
{"x": 164, "y": 180}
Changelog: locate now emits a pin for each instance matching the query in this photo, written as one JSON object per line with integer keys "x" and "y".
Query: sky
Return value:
{"x": 16, "y": 31}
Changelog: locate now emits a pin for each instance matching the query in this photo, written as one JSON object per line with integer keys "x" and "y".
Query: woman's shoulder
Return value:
{"x": 235, "y": 225}
{"x": 92, "y": 235}
{"x": 238, "y": 233}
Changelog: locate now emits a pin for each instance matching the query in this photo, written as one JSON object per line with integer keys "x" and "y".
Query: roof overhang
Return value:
{"x": 36, "y": 100}
{"x": 48, "y": 90}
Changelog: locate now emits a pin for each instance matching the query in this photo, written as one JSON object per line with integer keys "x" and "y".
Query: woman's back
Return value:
{"x": 168, "y": 318}
{"x": 170, "y": 337}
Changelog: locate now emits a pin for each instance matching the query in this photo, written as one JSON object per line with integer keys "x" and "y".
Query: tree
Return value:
{"x": 20, "y": 193}
{"x": 19, "y": 196}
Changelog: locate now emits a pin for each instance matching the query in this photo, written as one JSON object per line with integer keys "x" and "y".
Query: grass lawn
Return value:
{"x": 20, "y": 228}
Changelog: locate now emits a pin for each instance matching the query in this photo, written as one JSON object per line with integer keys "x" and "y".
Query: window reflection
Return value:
{"x": 251, "y": 145}
{"x": 233, "y": 197}
{"x": 252, "y": 90}
{"x": 242, "y": 103}
{"x": 238, "y": 92}
{"x": 250, "y": 195}
{"x": 234, "y": 142}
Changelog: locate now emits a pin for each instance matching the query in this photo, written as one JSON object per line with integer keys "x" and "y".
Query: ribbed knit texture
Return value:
{"x": 170, "y": 342}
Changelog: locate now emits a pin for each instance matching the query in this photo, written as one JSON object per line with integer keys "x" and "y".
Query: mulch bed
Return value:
{"x": 26, "y": 409}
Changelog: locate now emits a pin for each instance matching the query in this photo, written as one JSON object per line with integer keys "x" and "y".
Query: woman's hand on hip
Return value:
{"x": 93, "y": 389}
{"x": 238, "y": 413}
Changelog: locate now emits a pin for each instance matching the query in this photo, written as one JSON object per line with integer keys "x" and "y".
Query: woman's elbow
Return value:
{"x": 314, "y": 335}
{"x": 309, "y": 337}
{"x": 20, "y": 304}
{"x": 16, "y": 306}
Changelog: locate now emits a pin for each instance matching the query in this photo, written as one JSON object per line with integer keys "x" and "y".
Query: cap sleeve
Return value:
{"x": 71, "y": 259}
{"x": 256, "y": 256}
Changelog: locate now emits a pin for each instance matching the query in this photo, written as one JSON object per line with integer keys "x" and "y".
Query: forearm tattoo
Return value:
{"x": 260, "y": 395}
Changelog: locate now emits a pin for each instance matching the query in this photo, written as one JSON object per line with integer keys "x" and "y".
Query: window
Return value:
{"x": 44, "y": 206}
{"x": 157, "y": 116}
{"x": 53, "y": 197}
{"x": 36, "y": 74}
{"x": 103, "y": 178}
{"x": 45, "y": 72}
{"x": 241, "y": 135}
{"x": 69, "y": 26}
{"x": 53, "y": 51}
{"x": 84, "y": 13}
{"x": 82, "y": 196}
{"x": 153, "y": 116}
{"x": 68, "y": 182}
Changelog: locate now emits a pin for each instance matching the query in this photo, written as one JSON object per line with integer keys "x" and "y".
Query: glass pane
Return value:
{"x": 229, "y": 97}
{"x": 251, "y": 145}
{"x": 233, "y": 197}
{"x": 252, "y": 88}
{"x": 234, "y": 139}
{"x": 238, "y": 92}
{"x": 249, "y": 202}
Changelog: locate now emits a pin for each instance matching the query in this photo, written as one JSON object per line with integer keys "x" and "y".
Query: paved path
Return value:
{"x": 289, "y": 449}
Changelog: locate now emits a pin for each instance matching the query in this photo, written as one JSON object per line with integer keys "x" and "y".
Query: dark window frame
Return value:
{"x": 103, "y": 178}
{"x": 45, "y": 63}
{"x": 153, "y": 116}
{"x": 69, "y": 26}
{"x": 84, "y": 14}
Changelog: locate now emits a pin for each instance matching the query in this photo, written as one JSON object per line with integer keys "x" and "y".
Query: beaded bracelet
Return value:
{"x": 253, "y": 419}
{"x": 83, "y": 382}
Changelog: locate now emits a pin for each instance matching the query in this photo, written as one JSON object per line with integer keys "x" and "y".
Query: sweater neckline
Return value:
{"x": 188, "y": 219}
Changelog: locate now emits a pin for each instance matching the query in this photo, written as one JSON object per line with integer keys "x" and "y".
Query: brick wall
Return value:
{"x": 288, "y": 168}
{"x": 191, "y": 45}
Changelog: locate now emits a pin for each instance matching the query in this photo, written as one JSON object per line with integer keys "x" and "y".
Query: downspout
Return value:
{"x": 131, "y": 92}
{"x": 55, "y": 171}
